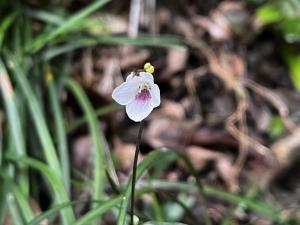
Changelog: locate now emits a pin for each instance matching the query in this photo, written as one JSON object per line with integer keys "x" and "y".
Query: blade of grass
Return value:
{"x": 98, "y": 144}
{"x": 98, "y": 112}
{"x": 42, "y": 130}
{"x": 3, "y": 206}
{"x": 257, "y": 206}
{"x": 45, "y": 16}
{"x": 59, "y": 128}
{"x": 44, "y": 38}
{"x": 151, "y": 159}
{"x": 15, "y": 128}
{"x": 5, "y": 23}
{"x": 96, "y": 212}
{"x": 72, "y": 45}
{"x": 53, "y": 179}
{"x": 162, "y": 223}
{"x": 21, "y": 199}
{"x": 37, "y": 116}
{"x": 250, "y": 194}
{"x": 13, "y": 209}
{"x": 55, "y": 209}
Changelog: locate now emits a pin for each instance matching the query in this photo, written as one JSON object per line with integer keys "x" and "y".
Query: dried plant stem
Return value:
{"x": 136, "y": 156}
{"x": 134, "y": 18}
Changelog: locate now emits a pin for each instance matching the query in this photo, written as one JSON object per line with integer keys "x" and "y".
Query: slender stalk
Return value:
{"x": 136, "y": 156}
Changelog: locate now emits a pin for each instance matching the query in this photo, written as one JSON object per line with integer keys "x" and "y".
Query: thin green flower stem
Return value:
{"x": 136, "y": 156}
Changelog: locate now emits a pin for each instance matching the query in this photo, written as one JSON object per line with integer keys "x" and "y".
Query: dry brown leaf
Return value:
{"x": 88, "y": 66}
{"x": 168, "y": 132}
{"x": 229, "y": 173}
{"x": 229, "y": 16}
{"x": 130, "y": 58}
{"x": 200, "y": 156}
{"x": 81, "y": 154}
{"x": 286, "y": 149}
{"x": 213, "y": 137}
{"x": 124, "y": 153}
{"x": 107, "y": 83}
{"x": 117, "y": 24}
{"x": 172, "y": 109}
{"x": 216, "y": 26}
{"x": 176, "y": 61}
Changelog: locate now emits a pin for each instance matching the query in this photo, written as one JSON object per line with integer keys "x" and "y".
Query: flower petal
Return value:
{"x": 148, "y": 77}
{"x": 130, "y": 76}
{"x": 138, "y": 110}
{"x": 126, "y": 92}
{"x": 155, "y": 95}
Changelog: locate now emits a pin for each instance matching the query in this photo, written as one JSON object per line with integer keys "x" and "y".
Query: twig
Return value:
{"x": 136, "y": 156}
{"x": 134, "y": 18}
{"x": 241, "y": 118}
{"x": 275, "y": 100}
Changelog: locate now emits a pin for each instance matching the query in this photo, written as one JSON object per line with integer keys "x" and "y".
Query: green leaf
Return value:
{"x": 14, "y": 122}
{"x": 276, "y": 126}
{"x": 293, "y": 60}
{"x": 14, "y": 211}
{"x": 4, "y": 25}
{"x": 68, "y": 25}
{"x": 55, "y": 209}
{"x": 19, "y": 196}
{"x": 97, "y": 140}
{"x": 162, "y": 41}
{"x": 60, "y": 130}
{"x": 268, "y": 14}
{"x": 53, "y": 179}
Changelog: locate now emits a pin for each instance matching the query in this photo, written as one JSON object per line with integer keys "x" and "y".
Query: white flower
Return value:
{"x": 139, "y": 94}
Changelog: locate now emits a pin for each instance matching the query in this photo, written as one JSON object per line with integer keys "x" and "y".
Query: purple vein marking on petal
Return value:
{"x": 143, "y": 96}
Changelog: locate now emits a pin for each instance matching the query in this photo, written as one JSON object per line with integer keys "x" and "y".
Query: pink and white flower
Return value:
{"x": 139, "y": 94}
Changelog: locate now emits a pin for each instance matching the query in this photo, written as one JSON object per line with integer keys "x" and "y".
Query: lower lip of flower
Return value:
{"x": 143, "y": 95}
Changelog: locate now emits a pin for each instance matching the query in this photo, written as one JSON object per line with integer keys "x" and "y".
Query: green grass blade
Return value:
{"x": 163, "y": 41}
{"x": 4, "y": 25}
{"x": 21, "y": 199}
{"x": 55, "y": 209}
{"x": 3, "y": 206}
{"x": 96, "y": 212}
{"x": 36, "y": 113}
{"x": 13, "y": 209}
{"x": 98, "y": 144}
{"x": 98, "y": 112}
{"x": 151, "y": 159}
{"x": 45, "y": 16}
{"x": 42, "y": 130}
{"x": 59, "y": 129}
{"x": 70, "y": 23}
{"x": 53, "y": 179}
{"x": 257, "y": 206}
{"x": 14, "y": 124}
{"x": 162, "y": 223}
